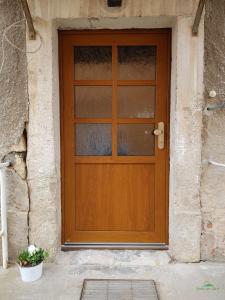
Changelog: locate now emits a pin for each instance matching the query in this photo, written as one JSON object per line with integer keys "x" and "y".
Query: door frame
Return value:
{"x": 72, "y": 246}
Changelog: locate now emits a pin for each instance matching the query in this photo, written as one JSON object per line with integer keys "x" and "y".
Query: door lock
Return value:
{"x": 159, "y": 132}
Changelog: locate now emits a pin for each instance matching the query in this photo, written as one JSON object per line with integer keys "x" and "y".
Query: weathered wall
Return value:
{"x": 185, "y": 144}
{"x": 13, "y": 116}
{"x": 64, "y": 9}
{"x": 213, "y": 177}
{"x": 186, "y": 109}
{"x": 43, "y": 158}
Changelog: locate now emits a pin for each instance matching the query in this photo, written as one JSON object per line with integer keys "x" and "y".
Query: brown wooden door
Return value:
{"x": 114, "y": 92}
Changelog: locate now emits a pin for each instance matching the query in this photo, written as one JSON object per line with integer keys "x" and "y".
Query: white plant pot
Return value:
{"x": 29, "y": 274}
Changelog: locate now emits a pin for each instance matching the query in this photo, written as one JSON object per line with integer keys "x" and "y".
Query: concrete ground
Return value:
{"x": 63, "y": 279}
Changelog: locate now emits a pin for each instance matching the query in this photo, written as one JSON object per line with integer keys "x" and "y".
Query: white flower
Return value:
{"x": 32, "y": 249}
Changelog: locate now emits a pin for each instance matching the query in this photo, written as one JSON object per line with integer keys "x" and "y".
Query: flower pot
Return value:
{"x": 29, "y": 274}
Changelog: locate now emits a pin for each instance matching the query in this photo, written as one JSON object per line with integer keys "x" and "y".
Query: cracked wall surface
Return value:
{"x": 213, "y": 177}
{"x": 13, "y": 118}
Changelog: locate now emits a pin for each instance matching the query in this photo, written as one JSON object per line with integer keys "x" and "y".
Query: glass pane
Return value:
{"x": 93, "y": 62}
{"x": 136, "y": 139}
{"x": 137, "y": 62}
{"x": 93, "y": 101}
{"x": 136, "y": 101}
{"x": 93, "y": 139}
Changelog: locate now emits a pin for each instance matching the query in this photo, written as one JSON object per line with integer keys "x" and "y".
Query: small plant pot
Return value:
{"x": 29, "y": 274}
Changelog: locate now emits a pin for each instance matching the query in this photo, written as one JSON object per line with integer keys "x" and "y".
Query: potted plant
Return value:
{"x": 30, "y": 263}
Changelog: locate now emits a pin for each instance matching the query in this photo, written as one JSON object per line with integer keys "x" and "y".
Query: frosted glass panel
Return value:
{"x": 93, "y": 62}
{"x": 93, "y": 139}
{"x": 137, "y": 62}
{"x": 136, "y": 139}
{"x": 93, "y": 102}
{"x": 136, "y": 101}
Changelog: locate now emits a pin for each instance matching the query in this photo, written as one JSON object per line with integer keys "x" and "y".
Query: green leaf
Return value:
{"x": 25, "y": 259}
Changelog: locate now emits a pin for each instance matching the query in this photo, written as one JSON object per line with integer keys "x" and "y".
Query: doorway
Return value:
{"x": 115, "y": 136}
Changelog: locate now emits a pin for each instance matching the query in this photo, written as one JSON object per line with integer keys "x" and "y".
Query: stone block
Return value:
{"x": 185, "y": 237}
{"x": 17, "y": 192}
{"x": 20, "y": 147}
{"x": 114, "y": 258}
{"x": 45, "y": 229}
{"x": 44, "y": 193}
{"x": 208, "y": 246}
{"x": 17, "y": 213}
{"x": 17, "y": 233}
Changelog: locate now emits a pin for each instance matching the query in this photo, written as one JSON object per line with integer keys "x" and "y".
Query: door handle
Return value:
{"x": 159, "y": 132}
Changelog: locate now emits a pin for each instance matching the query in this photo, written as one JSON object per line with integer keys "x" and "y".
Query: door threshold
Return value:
{"x": 114, "y": 246}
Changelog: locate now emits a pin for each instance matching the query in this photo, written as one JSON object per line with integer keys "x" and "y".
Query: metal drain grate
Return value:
{"x": 106, "y": 289}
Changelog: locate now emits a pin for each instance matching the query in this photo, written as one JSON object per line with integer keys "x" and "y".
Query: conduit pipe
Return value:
{"x": 198, "y": 17}
{"x": 3, "y": 232}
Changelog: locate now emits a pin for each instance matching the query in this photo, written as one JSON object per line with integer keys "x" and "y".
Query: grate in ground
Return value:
{"x": 112, "y": 289}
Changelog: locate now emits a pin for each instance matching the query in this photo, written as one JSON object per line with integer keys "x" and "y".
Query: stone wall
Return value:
{"x": 13, "y": 118}
{"x": 213, "y": 177}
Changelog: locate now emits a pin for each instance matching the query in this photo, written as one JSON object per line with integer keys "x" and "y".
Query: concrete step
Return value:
{"x": 114, "y": 258}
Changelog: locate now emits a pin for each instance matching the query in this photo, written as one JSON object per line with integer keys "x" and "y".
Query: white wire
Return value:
{"x": 216, "y": 164}
{"x": 5, "y": 38}
{"x": 22, "y": 50}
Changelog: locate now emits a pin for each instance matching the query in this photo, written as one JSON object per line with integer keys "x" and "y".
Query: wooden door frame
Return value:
{"x": 62, "y": 33}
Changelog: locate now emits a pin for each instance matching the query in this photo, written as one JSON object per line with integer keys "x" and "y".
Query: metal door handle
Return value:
{"x": 159, "y": 132}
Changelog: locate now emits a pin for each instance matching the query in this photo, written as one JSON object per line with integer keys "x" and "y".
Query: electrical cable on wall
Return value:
{"x": 216, "y": 164}
{"x": 212, "y": 94}
{"x": 5, "y": 38}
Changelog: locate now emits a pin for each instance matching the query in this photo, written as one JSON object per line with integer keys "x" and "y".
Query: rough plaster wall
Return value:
{"x": 48, "y": 9}
{"x": 187, "y": 85}
{"x": 213, "y": 177}
{"x": 13, "y": 116}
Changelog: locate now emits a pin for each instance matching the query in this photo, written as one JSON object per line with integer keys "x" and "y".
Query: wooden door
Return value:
{"x": 114, "y": 94}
